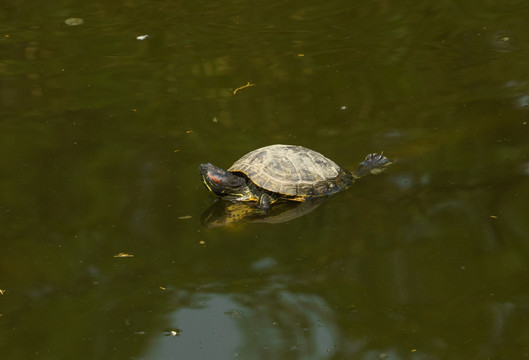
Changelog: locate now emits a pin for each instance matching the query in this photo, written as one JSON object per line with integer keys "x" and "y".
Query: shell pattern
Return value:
{"x": 293, "y": 171}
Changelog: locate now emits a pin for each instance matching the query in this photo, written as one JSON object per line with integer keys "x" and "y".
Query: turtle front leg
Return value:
{"x": 265, "y": 200}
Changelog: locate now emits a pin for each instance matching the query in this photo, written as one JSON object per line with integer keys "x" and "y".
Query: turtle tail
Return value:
{"x": 373, "y": 164}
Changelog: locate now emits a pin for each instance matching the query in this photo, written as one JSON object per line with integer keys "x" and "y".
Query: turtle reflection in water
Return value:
{"x": 284, "y": 172}
{"x": 231, "y": 213}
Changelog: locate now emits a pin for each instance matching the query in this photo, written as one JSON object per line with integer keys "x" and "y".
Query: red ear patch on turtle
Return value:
{"x": 215, "y": 179}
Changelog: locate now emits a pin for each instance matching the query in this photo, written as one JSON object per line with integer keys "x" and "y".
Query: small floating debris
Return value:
{"x": 185, "y": 217}
{"x": 122, "y": 255}
{"x": 74, "y": 21}
{"x": 142, "y": 37}
{"x": 162, "y": 288}
{"x": 2, "y": 292}
{"x": 493, "y": 217}
{"x": 242, "y": 87}
{"x": 234, "y": 314}
{"x": 189, "y": 131}
{"x": 175, "y": 332}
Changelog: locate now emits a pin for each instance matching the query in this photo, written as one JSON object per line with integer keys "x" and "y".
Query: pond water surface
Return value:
{"x": 105, "y": 121}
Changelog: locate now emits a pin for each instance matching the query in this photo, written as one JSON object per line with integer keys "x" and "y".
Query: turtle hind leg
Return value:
{"x": 373, "y": 164}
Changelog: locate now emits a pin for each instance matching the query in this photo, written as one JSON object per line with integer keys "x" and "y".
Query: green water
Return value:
{"x": 102, "y": 134}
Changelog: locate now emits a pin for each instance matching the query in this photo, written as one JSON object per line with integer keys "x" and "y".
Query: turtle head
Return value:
{"x": 221, "y": 182}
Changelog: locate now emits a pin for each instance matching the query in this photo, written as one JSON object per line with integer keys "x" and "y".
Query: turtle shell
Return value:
{"x": 293, "y": 171}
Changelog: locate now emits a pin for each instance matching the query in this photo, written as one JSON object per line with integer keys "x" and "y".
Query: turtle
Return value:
{"x": 284, "y": 172}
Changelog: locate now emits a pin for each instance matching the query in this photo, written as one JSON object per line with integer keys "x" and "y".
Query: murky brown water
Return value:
{"x": 103, "y": 129}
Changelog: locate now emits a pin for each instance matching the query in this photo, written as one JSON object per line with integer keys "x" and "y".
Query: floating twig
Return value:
{"x": 242, "y": 87}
